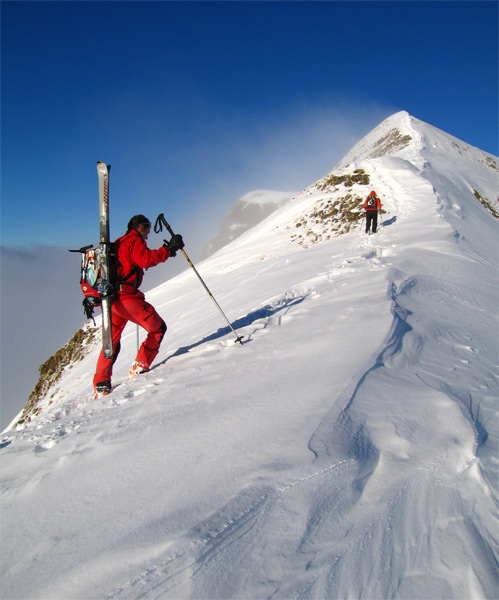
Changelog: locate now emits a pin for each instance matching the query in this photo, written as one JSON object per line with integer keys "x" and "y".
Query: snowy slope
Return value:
{"x": 347, "y": 450}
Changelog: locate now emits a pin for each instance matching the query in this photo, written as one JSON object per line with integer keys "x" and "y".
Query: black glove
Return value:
{"x": 176, "y": 243}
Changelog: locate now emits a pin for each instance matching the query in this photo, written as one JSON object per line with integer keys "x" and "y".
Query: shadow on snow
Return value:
{"x": 265, "y": 312}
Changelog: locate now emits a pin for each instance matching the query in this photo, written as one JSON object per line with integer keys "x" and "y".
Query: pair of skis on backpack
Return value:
{"x": 95, "y": 268}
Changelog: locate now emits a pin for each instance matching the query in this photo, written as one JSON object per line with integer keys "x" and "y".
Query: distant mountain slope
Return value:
{"x": 245, "y": 214}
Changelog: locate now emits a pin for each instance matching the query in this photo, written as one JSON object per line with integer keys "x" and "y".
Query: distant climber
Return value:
{"x": 129, "y": 303}
{"x": 371, "y": 206}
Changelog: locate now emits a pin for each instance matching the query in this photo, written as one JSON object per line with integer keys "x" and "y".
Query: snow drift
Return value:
{"x": 347, "y": 450}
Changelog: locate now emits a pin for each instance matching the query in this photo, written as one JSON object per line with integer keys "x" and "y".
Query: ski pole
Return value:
{"x": 160, "y": 221}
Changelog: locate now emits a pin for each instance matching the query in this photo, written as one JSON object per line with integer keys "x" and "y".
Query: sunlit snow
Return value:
{"x": 347, "y": 450}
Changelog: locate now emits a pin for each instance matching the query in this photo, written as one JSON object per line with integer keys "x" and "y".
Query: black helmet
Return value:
{"x": 138, "y": 220}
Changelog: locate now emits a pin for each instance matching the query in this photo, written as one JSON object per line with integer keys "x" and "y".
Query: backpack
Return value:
{"x": 371, "y": 202}
{"x": 91, "y": 282}
{"x": 91, "y": 277}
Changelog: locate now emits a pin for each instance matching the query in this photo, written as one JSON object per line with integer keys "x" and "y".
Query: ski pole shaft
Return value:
{"x": 238, "y": 337}
{"x": 157, "y": 228}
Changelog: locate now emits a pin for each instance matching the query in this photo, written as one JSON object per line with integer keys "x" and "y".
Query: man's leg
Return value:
{"x": 144, "y": 314}
{"x": 369, "y": 218}
{"x": 104, "y": 369}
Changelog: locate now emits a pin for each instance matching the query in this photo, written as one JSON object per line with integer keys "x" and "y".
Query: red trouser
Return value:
{"x": 135, "y": 309}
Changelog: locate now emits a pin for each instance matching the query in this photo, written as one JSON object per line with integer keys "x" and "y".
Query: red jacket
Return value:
{"x": 134, "y": 256}
{"x": 378, "y": 204}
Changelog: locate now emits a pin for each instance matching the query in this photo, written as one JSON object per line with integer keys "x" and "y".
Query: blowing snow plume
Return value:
{"x": 346, "y": 450}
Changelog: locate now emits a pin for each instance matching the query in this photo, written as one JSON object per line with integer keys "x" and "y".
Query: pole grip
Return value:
{"x": 162, "y": 221}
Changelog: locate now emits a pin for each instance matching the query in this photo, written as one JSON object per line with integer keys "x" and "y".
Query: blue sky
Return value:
{"x": 196, "y": 103}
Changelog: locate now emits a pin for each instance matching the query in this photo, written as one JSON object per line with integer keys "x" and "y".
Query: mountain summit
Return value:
{"x": 347, "y": 449}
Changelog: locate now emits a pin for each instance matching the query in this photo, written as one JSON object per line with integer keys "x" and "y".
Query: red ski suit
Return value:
{"x": 372, "y": 214}
{"x": 130, "y": 304}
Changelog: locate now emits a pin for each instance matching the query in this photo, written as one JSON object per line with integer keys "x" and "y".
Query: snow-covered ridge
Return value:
{"x": 347, "y": 449}
{"x": 409, "y": 138}
{"x": 332, "y": 205}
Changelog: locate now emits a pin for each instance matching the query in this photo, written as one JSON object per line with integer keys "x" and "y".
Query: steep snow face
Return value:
{"x": 347, "y": 449}
{"x": 246, "y": 213}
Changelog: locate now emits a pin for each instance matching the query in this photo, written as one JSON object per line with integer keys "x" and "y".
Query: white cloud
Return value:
{"x": 40, "y": 311}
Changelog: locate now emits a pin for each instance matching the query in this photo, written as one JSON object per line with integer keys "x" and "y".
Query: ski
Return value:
{"x": 105, "y": 288}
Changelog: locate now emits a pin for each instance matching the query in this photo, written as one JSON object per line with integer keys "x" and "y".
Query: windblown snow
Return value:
{"x": 347, "y": 450}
